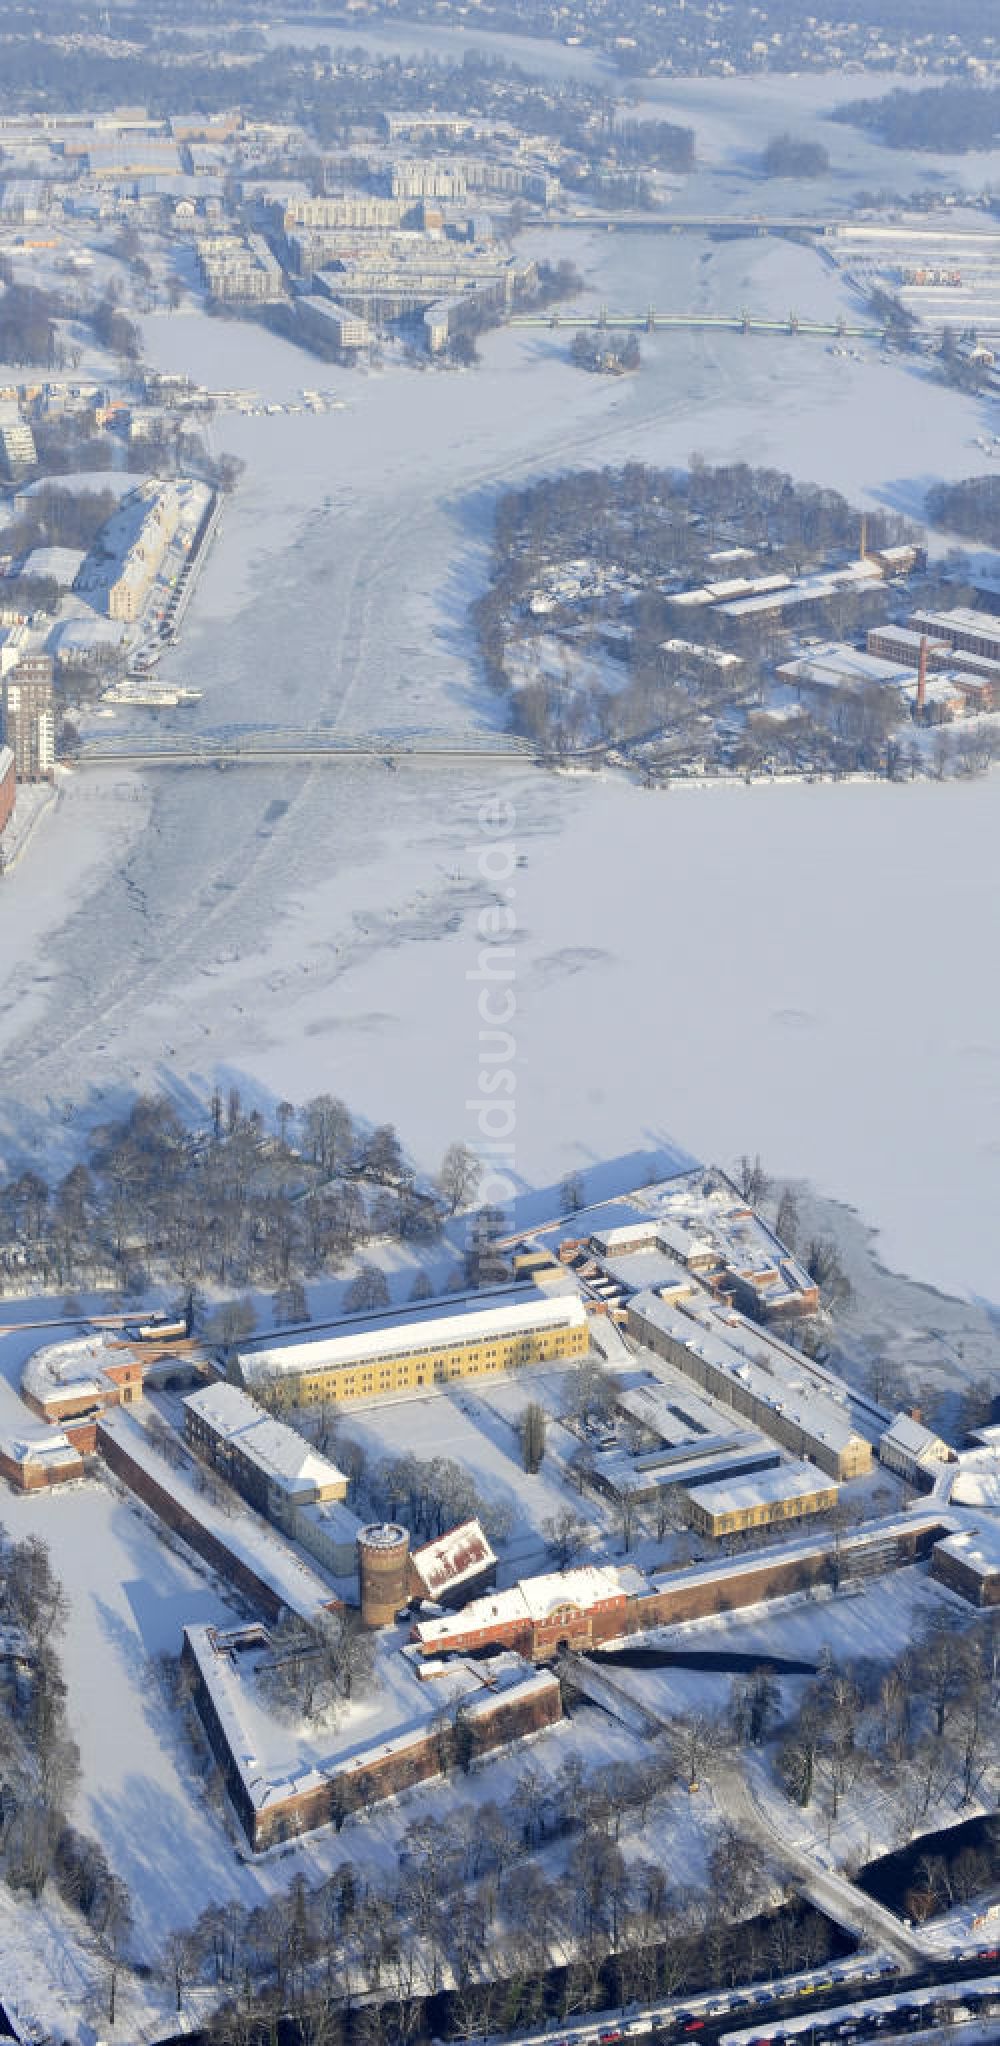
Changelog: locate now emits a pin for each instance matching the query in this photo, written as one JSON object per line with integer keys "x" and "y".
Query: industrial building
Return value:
{"x": 968, "y": 632}
{"x": 746, "y": 1368}
{"x": 389, "y": 1354}
{"x": 835, "y": 666}
{"x": 973, "y": 677}
{"x": 269, "y": 1464}
{"x": 767, "y": 1498}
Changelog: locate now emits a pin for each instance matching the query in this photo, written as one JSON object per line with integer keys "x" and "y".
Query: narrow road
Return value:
{"x": 826, "y": 1888}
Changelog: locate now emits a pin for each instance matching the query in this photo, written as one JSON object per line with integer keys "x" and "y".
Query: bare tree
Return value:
{"x": 368, "y": 1290}
{"x": 459, "y": 1176}
{"x": 567, "y": 1535}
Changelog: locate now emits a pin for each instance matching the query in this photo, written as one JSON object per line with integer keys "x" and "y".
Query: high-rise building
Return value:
{"x": 29, "y": 717}
{"x": 18, "y": 454}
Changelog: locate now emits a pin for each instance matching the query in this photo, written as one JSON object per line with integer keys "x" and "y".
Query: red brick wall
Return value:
{"x": 369, "y": 1780}
{"x": 200, "y": 1538}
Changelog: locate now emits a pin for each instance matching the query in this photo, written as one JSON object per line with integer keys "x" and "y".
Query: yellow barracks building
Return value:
{"x": 387, "y": 1354}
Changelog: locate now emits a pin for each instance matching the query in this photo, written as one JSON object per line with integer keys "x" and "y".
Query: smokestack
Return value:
{"x": 922, "y": 676}
{"x": 863, "y": 554}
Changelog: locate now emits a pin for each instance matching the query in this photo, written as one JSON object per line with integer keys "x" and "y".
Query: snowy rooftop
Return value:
{"x": 978, "y": 1548}
{"x": 285, "y": 1458}
{"x": 762, "y": 1488}
{"x": 44, "y": 1448}
{"x": 771, "y": 1371}
{"x": 399, "y": 1339}
{"x": 835, "y": 665}
{"x": 78, "y": 1366}
{"x": 963, "y": 619}
{"x": 271, "y": 1558}
{"x": 910, "y": 1436}
{"x": 277, "y": 1759}
{"x": 535, "y": 1599}
{"x": 695, "y": 1216}
{"x": 460, "y": 1554}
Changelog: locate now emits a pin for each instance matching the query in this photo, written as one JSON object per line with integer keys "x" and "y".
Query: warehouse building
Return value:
{"x": 387, "y": 1354}
{"x": 834, "y": 666}
{"x": 767, "y": 1498}
{"x": 970, "y": 632}
{"x": 269, "y": 1464}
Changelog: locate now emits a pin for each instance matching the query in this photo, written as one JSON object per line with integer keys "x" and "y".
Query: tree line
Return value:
{"x": 236, "y": 1202}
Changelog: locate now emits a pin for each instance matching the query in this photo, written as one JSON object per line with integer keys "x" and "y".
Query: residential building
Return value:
{"x": 912, "y": 1450}
{"x": 268, "y": 1463}
{"x": 29, "y": 717}
{"x": 389, "y": 1355}
{"x": 17, "y": 444}
{"x": 240, "y": 267}
{"x": 323, "y": 319}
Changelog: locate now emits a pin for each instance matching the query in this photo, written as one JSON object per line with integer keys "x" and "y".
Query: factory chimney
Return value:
{"x": 863, "y": 548}
{"x": 922, "y": 676}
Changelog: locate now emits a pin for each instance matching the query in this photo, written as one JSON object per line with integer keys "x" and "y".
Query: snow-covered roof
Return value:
{"x": 738, "y": 1350}
{"x": 535, "y": 1599}
{"x": 78, "y": 1366}
{"x": 462, "y": 1553}
{"x": 46, "y": 1449}
{"x": 762, "y": 1488}
{"x": 286, "y": 1459}
{"x": 441, "y": 1332}
{"x": 913, "y": 1439}
{"x": 586, "y": 1587}
{"x": 978, "y": 1548}
{"x": 249, "y": 1539}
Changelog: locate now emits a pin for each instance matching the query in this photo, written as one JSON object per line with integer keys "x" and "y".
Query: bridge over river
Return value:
{"x": 738, "y": 323}
{"x": 281, "y": 746}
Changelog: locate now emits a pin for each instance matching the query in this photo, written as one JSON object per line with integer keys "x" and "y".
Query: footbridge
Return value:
{"x": 283, "y": 747}
{"x": 742, "y": 322}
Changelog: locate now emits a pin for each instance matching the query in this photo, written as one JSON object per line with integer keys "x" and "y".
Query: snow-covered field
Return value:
{"x": 808, "y": 971}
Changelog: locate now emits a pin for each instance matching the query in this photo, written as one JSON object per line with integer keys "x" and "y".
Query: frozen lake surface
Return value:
{"x": 807, "y": 971}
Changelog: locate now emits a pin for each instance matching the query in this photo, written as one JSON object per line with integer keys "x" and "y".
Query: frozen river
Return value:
{"x": 810, "y": 972}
